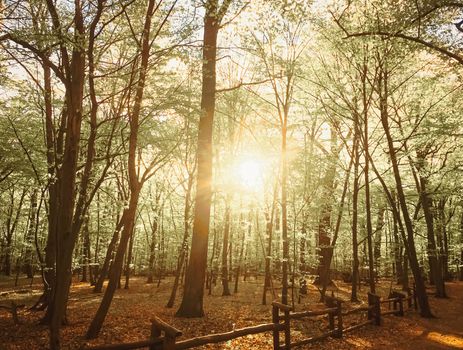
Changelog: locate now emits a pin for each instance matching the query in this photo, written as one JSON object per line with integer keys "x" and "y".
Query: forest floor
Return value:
{"x": 132, "y": 309}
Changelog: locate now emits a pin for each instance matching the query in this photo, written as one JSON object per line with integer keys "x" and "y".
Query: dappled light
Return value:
{"x": 449, "y": 340}
{"x": 231, "y": 174}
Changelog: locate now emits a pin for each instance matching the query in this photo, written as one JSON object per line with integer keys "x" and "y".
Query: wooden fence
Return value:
{"x": 164, "y": 336}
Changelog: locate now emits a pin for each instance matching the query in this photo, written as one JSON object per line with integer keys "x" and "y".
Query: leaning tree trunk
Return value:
{"x": 398, "y": 262}
{"x": 109, "y": 255}
{"x": 116, "y": 269}
{"x": 425, "y": 309}
{"x": 336, "y": 230}
{"x": 135, "y": 184}
{"x": 183, "y": 248}
{"x": 129, "y": 260}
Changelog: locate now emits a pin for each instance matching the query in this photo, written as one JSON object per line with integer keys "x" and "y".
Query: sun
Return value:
{"x": 249, "y": 174}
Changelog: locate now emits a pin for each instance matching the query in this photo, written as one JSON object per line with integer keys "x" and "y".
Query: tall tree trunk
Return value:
{"x": 443, "y": 235}
{"x": 240, "y": 259}
{"x": 324, "y": 224}
{"x": 152, "y": 250}
{"x": 184, "y": 246}
{"x": 425, "y": 309}
{"x": 85, "y": 252}
{"x": 336, "y": 230}
{"x": 366, "y": 170}
{"x": 269, "y": 219}
{"x": 398, "y": 254}
{"x": 225, "y": 247}
{"x": 355, "y": 195}
{"x": 11, "y": 225}
{"x": 284, "y": 211}
{"x": 135, "y": 184}
{"x": 433, "y": 253}
{"x": 192, "y": 301}
{"x": 116, "y": 269}
{"x": 109, "y": 255}
{"x": 378, "y": 238}
{"x": 29, "y": 254}
{"x": 129, "y": 259}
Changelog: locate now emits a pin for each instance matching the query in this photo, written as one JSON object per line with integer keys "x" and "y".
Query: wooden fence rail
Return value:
{"x": 164, "y": 336}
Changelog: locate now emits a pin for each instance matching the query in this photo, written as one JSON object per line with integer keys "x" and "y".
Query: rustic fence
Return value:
{"x": 164, "y": 336}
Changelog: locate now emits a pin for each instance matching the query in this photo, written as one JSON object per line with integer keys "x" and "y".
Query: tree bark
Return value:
{"x": 192, "y": 301}
{"x": 225, "y": 247}
{"x": 425, "y": 309}
{"x": 135, "y": 185}
{"x": 355, "y": 194}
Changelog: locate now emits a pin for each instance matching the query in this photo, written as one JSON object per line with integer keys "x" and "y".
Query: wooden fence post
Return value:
{"x": 287, "y": 331}
{"x": 170, "y": 334}
{"x": 377, "y": 310}
{"x": 339, "y": 315}
{"x": 169, "y": 342}
{"x": 330, "y": 303}
{"x": 370, "y": 305}
{"x": 398, "y": 300}
{"x": 155, "y": 333}
{"x": 401, "y": 305}
{"x": 375, "y": 301}
{"x": 409, "y": 300}
{"x": 276, "y": 307}
{"x": 276, "y": 330}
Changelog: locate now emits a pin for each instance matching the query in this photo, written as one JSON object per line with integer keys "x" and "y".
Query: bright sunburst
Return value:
{"x": 249, "y": 173}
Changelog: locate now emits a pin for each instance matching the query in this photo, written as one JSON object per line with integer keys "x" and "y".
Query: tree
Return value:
{"x": 192, "y": 301}
{"x": 136, "y": 177}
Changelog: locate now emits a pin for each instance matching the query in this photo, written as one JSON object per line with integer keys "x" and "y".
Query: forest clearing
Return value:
{"x": 231, "y": 173}
{"x": 129, "y": 319}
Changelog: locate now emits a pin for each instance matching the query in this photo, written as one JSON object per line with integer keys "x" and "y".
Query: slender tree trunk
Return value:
{"x": 324, "y": 224}
{"x": 433, "y": 253}
{"x": 109, "y": 254}
{"x": 129, "y": 259}
{"x": 443, "y": 234}
{"x": 269, "y": 218}
{"x": 378, "y": 238}
{"x": 240, "y": 259}
{"x": 29, "y": 254}
{"x": 366, "y": 170}
{"x": 398, "y": 262}
{"x": 116, "y": 269}
{"x": 425, "y": 309}
{"x": 152, "y": 247}
{"x": 284, "y": 211}
{"x": 11, "y": 225}
{"x": 326, "y": 273}
{"x": 355, "y": 194}
{"x": 184, "y": 246}
{"x": 135, "y": 185}
{"x": 225, "y": 247}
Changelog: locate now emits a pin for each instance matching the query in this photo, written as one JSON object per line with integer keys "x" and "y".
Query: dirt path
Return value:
{"x": 129, "y": 320}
